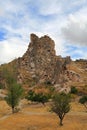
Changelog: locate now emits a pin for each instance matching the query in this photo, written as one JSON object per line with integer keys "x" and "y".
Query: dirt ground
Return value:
{"x": 38, "y": 117}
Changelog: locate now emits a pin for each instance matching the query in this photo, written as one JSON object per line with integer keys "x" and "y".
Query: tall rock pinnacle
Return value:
{"x": 39, "y": 59}
{"x": 40, "y": 63}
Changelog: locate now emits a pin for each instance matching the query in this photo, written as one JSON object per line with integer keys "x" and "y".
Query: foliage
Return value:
{"x": 15, "y": 92}
{"x": 1, "y": 86}
{"x": 61, "y": 105}
{"x": 83, "y": 100}
{"x": 73, "y": 90}
{"x": 8, "y": 72}
{"x": 38, "y": 97}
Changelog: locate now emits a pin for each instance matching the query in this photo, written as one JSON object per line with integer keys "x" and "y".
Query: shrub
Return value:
{"x": 83, "y": 100}
{"x": 38, "y": 97}
{"x": 74, "y": 90}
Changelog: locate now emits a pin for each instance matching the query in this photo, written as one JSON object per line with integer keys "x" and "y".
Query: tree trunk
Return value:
{"x": 43, "y": 104}
{"x": 61, "y": 122}
{"x": 13, "y": 111}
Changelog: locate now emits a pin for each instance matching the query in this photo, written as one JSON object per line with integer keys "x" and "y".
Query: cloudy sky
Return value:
{"x": 65, "y": 21}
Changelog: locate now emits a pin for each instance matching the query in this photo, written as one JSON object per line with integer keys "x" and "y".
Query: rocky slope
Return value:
{"x": 40, "y": 65}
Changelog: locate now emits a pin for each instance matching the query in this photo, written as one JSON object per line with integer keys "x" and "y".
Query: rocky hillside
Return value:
{"x": 40, "y": 64}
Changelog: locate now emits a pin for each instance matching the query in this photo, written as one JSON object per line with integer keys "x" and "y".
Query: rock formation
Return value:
{"x": 40, "y": 64}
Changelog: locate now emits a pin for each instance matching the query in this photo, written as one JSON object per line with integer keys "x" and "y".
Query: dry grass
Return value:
{"x": 37, "y": 117}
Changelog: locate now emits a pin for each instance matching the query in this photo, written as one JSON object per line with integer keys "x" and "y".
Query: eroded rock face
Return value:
{"x": 41, "y": 63}
{"x": 39, "y": 58}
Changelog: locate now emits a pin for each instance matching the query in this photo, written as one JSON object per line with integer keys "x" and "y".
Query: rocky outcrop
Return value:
{"x": 40, "y": 63}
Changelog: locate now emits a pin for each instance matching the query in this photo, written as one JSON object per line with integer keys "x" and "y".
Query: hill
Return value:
{"x": 41, "y": 65}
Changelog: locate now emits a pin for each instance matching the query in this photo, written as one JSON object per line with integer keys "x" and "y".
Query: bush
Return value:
{"x": 38, "y": 97}
{"x": 74, "y": 90}
{"x": 83, "y": 100}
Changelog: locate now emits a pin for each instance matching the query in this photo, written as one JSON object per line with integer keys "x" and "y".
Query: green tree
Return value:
{"x": 8, "y": 72}
{"x": 83, "y": 100}
{"x": 15, "y": 92}
{"x": 61, "y": 105}
{"x": 38, "y": 97}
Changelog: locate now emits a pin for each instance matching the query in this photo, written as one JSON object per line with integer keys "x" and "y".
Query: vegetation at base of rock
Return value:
{"x": 74, "y": 90}
{"x": 61, "y": 105}
{"x": 38, "y": 97}
{"x": 83, "y": 100}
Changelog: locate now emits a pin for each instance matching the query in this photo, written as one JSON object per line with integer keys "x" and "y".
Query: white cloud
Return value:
{"x": 11, "y": 49}
{"x": 49, "y": 7}
{"x": 75, "y": 30}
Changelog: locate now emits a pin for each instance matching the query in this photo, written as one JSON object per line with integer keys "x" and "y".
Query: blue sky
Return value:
{"x": 65, "y": 21}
